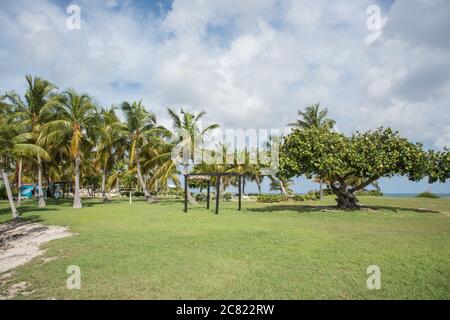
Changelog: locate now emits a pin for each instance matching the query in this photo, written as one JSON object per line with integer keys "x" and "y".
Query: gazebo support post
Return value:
{"x": 240, "y": 192}
{"x": 217, "y": 193}
{"x": 185, "y": 193}
{"x": 208, "y": 194}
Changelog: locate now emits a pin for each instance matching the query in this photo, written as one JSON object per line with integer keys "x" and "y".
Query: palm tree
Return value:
{"x": 13, "y": 145}
{"x": 278, "y": 184}
{"x": 189, "y": 123}
{"x": 118, "y": 170}
{"x": 76, "y": 116}
{"x": 33, "y": 113}
{"x": 141, "y": 125}
{"x": 313, "y": 117}
{"x": 157, "y": 159}
{"x": 111, "y": 143}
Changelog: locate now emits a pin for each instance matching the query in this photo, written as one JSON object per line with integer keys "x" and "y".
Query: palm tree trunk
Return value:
{"x": 147, "y": 195}
{"x": 189, "y": 194}
{"x": 19, "y": 184}
{"x": 104, "y": 198}
{"x": 9, "y": 193}
{"x": 41, "y": 203}
{"x": 243, "y": 185}
{"x": 282, "y": 189}
{"x": 258, "y": 183}
{"x": 76, "y": 196}
{"x": 321, "y": 190}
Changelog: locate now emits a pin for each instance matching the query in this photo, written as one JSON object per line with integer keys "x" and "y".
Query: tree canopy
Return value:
{"x": 352, "y": 163}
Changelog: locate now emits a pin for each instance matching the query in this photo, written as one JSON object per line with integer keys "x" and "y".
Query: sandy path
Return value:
{"x": 20, "y": 241}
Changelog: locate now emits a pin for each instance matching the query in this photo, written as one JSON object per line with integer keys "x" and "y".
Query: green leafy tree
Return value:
{"x": 313, "y": 117}
{"x": 439, "y": 165}
{"x": 363, "y": 157}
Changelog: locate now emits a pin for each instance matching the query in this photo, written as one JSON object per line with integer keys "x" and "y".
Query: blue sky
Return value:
{"x": 248, "y": 64}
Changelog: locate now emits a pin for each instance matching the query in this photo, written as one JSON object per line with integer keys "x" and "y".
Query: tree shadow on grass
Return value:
{"x": 25, "y": 208}
{"x": 398, "y": 209}
{"x": 13, "y": 223}
{"x": 291, "y": 207}
{"x": 332, "y": 208}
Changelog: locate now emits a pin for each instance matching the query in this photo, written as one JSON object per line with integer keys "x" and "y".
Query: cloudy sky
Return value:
{"x": 248, "y": 63}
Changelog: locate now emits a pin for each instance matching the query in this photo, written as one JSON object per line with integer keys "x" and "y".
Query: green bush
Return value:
{"x": 3, "y": 195}
{"x": 200, "y": 197}
{"x": 272, "y": 198}
{"x": 371, "y": 193}
{"x": 299, "y": 197}
{"x": 427, "y": 195}
{"x": 227, "y": 196}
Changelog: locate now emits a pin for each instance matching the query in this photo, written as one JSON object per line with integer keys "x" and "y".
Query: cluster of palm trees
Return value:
{"x": 65, "y": 136}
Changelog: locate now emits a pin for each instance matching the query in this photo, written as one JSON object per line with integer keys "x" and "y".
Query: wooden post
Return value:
{"x": 185, "y": 193}
{"x": 208, "y": 194}
{"x": 240, "y": 193}
{"x": 217, "y": 193}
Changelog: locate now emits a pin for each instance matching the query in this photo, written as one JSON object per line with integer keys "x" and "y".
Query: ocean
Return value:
{"x": 412, "y": 195}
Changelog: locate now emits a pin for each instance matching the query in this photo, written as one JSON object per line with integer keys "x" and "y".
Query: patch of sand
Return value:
{"x": 20, "y": 242}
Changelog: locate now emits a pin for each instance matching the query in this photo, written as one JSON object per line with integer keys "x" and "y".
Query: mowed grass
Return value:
{"x": 281, "y": 251}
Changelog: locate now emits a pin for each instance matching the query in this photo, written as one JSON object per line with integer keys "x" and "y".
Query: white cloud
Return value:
{"x": 249, "y": 64}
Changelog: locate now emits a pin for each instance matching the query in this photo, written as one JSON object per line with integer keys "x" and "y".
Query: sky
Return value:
{"x": 247, "y": 63}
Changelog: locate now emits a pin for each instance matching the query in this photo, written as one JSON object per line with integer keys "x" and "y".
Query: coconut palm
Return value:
{"x": 76, "y": 116}
{"x": 188, "y": 123}
{"x": 141, "y": 125}
{"x": 282, "y": 185}
{"x": 313, "y": 117}
{"x": 118, "y": 170}
{"x": 33, "y": 113}
{"x": 157, "y": 159}
{"x": 13, "y": 145}
{"x": 111, "y": 144}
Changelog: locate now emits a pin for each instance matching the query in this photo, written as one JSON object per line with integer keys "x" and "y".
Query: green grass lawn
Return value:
{"x": 287, "y": 251}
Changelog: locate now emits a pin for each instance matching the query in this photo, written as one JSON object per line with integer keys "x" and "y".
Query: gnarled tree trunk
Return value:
{"x": 10, "y": 196}
{"x": 76, "y": 196}
{"x": 41, "y": 202}
{"x": 347, "y": 201}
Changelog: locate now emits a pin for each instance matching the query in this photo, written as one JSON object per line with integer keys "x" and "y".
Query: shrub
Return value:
{"x": 427, "y": 195}
{"x": 3, "y": 195}
{"x": 272, "y": 198}
{"x": 371, "y": 193}
{"x": 299, "y": 197}
{"x": 227, "y": 196}
{"x": 200, "y": 197}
